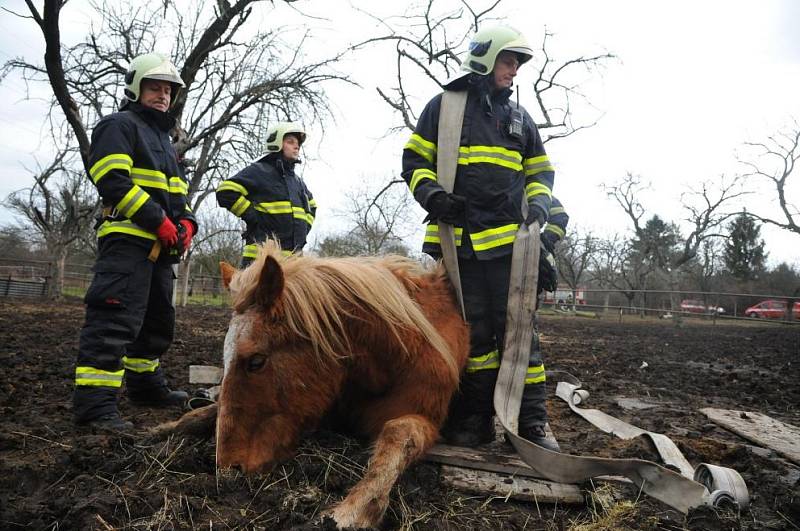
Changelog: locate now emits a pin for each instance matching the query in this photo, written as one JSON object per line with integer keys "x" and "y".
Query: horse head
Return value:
{"x": 274, "y": 384}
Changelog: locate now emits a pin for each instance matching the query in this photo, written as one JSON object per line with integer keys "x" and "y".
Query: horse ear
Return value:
{"x": 227, "y": 271}
{"x": 270, "y": 284}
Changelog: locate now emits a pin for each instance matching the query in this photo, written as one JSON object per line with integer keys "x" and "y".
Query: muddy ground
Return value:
{"x": 55, "y": 476}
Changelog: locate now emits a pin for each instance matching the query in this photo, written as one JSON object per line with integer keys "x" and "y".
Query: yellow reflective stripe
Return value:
{"x": 275, "y": 207}
{"x": 432, "y": 234}
{"x": 556, "y": 210}
{"x": 422, "y": 147}
{"x": 149, "y": 178}
{"x": 490, "y": 360}
{"x": 490, "y": 155}
{"x": 300, "y": 213}
{"x": 312, "y": 203}
{"x": 178, "y": 186}
{"x": 418, "y": 175}
{"x": 555, "y": 229}
{"x": 491, "y": 238}
{"x": 535, "y": 374}
{"x": 240, "y": 206}
{"x": 250, "y": 251}
{"x": 98, "y": 377}
{"x": 187, "y": 208}
{"x": 234, "y": 186}
{"x": 125, "y": 227}
{"x": 132, "y": 201}
{"x": 119, "y": 161}
{"x": 286, "y": 253}
{"x": 534, "y": 189}
{"x": 537, "y": 165}
{"x": 140, "y": 364}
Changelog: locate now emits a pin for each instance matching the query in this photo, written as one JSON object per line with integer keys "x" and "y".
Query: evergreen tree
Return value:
{"x": 744, "y": 249}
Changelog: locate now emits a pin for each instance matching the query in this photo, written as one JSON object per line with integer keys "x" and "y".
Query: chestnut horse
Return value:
{"x": 379, "y": 340}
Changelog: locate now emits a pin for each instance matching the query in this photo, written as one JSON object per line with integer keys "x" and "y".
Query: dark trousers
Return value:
{"x": 484, "y": 284}
{"x": 129, "y": 314}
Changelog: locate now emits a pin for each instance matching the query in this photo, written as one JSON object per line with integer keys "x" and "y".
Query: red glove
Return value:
{"x": 167, "y": 233}
{"x": 188, "y": 234}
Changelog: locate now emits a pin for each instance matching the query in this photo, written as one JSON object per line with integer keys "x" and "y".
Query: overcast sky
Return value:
{"x": 695, "y": 80}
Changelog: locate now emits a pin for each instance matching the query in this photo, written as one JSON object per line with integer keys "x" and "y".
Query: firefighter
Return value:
{"x": 145, "y": 226}
{"x": 269, "y": 196}
{"x": 501, "y": 160}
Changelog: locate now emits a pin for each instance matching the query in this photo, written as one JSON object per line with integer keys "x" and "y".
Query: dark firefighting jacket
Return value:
{"x": 495, "y": 171}
{"x": 135, "y": 169}
{"x": 273, "y": 202}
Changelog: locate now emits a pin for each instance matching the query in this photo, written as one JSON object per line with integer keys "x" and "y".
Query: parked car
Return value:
{"x": 772, "y": 309}
{"x": 697, "y": 306}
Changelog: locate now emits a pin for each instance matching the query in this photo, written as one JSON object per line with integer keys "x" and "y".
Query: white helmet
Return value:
{"x": 276, "y": 132}
{"x": 150, "y": 66}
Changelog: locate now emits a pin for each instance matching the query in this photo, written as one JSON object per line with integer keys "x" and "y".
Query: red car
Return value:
{"x": 772, "y": 309}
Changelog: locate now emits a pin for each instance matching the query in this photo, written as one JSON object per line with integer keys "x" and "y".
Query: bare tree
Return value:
{"x": 379, "y": 224}
{"x": 58, "y": 208}
{"x": 574, "y": 255}
{"x": 428, "y": 40}
{"x": 775, "y": 162}
{"x": 620, "y": 266}
{"x": 234, "y": 84}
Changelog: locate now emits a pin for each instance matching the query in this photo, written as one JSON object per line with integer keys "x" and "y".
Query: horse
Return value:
{"x": 378, "y": 342}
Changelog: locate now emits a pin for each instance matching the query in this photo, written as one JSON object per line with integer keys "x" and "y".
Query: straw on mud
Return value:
{"x": 32, "y": 436}
{"x": 122, "y": 494}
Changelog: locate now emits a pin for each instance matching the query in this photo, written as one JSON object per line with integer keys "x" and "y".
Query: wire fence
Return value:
{"x": 29, "y": 278}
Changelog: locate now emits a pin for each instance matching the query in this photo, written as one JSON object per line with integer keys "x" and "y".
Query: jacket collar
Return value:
{"x": 162, "y": 120}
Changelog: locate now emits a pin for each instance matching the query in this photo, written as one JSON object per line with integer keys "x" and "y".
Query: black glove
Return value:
{"x": 536, "y": 213}
{"x": 447, "y": 207}
{"x": 548, "y": 273}
{"x": 549, "y": 240}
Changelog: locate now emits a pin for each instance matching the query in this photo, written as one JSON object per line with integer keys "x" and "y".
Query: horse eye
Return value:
{"x": 256, "y": 362}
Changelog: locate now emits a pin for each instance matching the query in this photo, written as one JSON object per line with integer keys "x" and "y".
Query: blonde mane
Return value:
{"x": 319, "y": 292}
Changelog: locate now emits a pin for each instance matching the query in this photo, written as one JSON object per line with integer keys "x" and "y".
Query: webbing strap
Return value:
{"x": 451, "y": 116}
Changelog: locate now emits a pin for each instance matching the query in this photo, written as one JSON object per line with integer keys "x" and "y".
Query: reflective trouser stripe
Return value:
{"x": 140, "y": 364}
{"x": 490, "y": 360}
{"x": 251, "y": 251}
{"x": 98, "y": 377}
{"x": 536, "y": 374}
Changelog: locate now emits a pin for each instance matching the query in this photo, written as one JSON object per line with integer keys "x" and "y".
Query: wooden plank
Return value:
{"x": 205, "y": 374}
{"x": 513, "y": 487}
{"x": 490, "y": 460}
{"x": 479, "y": 460}
{"x": 761, "y": 429}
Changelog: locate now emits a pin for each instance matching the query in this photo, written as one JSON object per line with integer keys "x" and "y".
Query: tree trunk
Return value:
{"x": 55, "y": 274}
{"x": 183, "y": 280}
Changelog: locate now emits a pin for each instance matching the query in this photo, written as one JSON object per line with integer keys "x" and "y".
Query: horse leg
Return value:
{"x": 198, "y": 423}
{"x": 401, "y": 441}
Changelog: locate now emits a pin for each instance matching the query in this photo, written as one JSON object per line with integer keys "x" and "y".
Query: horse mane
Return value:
{"x": 320, "y": 292}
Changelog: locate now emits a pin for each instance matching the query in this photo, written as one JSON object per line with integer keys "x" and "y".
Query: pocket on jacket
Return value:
{"x": 110, "y": 285}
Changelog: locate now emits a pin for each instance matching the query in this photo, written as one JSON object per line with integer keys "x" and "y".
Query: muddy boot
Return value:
{"x": 161, "y": 396}
{"x": 151, "y": 390}
{"x": 109, "y": 421}
{"x": 469, "y": 431}
{"x": 537, "y": 435}
{"x": 96, "y": 406}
